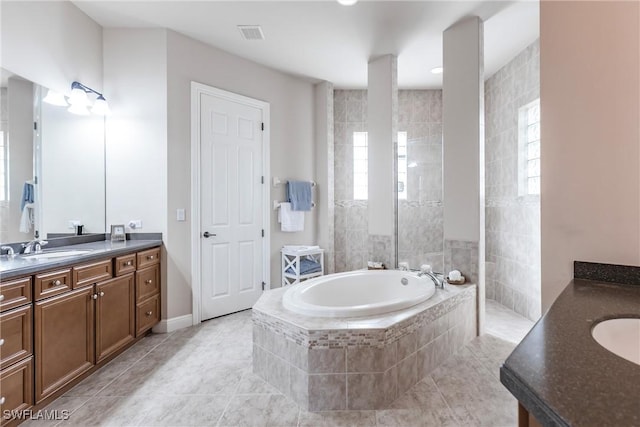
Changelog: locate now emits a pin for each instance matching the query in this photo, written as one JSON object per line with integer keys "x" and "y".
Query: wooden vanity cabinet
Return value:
{"x": 16, "y": 346}
{"x": 56, "y": 326}
{"x": 64, "y": 339}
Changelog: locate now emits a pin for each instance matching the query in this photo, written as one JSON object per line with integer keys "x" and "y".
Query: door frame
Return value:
{"x": 198, "y": 89}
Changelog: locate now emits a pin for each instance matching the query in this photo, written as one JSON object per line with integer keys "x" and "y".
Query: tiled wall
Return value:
{"x": 420, "y": 228}
{"x": 512, "y": 222}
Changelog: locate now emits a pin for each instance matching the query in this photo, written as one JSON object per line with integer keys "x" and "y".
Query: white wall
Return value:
{"x": 463, "y": 129}
{"x": 292, "y": 146}
{"x": 590, "y": 104}
{"x": 135, "y": 81}
{"x": 382, "y": 127}
{"x": 51, "y": 43}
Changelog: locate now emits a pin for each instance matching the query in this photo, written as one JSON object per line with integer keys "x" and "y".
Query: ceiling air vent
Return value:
{"x": 251, "y": 32}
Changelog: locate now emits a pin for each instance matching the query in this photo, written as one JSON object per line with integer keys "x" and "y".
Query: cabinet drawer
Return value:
{"x": 148, "y": 258}
{"x": 147, "y": 283}
{"x": 15, "y": 293}
{"x": 16, "y": 387}
{"x": 52, "y": 283}
{"x": 88, "y": 274}
{"x": 15, "y": 335}
{"x": 147, "y": 314}
{"x": 125, "y": 264}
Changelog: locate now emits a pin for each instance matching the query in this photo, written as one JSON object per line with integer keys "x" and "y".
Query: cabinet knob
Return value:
{"x": 101, "y": 293}
{"x": 1, "y": 297}
{"x": 94, "y": 296}
{"x": 150, "y": 257}
{"x": 56, "y": 282}
{"x": 1, "y": 341}
{"x": 2, "y": 400}
{"x": 129, "y": 263}
{"x": 149, "y": 313}
{"x": 149, "y": 281}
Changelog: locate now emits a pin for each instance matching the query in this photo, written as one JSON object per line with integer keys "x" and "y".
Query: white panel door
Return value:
{"x": 231, "y": 212}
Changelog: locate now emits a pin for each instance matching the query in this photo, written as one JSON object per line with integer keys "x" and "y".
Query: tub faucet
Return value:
{"x": 434, "y": 276}
{"x": 34, "y": 246}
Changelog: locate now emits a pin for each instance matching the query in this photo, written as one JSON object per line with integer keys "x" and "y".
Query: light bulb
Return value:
{"x": 101, "y": 107}
{"x": 347, "y": 2}
{"x": 437, "y": 70}
{"x": 78, "y": 97}
{"x": 55, "y": 98}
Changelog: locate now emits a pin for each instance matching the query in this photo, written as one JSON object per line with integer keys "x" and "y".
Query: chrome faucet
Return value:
{"x": 434, "y": 276}
{"x": 8, "y": 249}
{"x": 33, "y": 247}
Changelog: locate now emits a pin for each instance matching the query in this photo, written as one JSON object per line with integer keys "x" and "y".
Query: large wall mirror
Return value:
{"x": 52, "y": 166}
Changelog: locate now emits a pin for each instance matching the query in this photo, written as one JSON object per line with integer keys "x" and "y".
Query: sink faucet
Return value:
{"x": 8, "y": 249}
{"x": 434, "y": 276}
{"x": 33, "y": 247}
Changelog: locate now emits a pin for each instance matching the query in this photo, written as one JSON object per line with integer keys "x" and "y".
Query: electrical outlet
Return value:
{"x": 135, "y": 224}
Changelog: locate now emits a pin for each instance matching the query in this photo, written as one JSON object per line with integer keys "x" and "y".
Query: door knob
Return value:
{"x": 206, "y": 234}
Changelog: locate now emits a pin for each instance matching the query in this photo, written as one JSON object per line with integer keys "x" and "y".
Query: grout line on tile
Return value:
{"x": 453, "y": 414}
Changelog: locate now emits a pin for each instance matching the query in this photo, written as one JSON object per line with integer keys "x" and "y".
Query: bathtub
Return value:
{"x": 358, "y": 293}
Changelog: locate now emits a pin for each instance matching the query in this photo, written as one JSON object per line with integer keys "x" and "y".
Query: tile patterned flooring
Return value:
{"x": 202, "y": 375}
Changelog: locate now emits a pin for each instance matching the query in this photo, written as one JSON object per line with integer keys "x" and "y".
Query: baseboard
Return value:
{"x": 173, "y": 324}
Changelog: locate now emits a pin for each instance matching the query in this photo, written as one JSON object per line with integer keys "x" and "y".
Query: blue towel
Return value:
{"x": 299, "y": 194}
{"x": 307, "y": 266}
{"x": 27, "y": 195}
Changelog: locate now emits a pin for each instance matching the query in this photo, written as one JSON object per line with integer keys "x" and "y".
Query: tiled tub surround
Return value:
{"x": 512, "y": 221}
{"x": 420, "y": 215}
{"x": 331, "y": 364}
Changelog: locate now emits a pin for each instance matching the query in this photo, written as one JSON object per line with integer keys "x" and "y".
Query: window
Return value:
{"x": 529, "y": 153}
{"x": 4, "y": 169}
{"x": 361, "y": 165}
{"x": 402, "y": 165}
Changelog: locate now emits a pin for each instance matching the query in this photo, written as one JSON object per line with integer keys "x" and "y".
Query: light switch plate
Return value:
{"x": 180, "y": 215}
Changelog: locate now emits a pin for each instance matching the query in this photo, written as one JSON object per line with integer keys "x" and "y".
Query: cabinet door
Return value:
{"x": 64, "y": 339}
{"x": 115, "y": 311}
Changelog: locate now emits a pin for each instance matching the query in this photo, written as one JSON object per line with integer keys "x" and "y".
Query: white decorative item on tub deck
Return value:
{"x": 358, "y": 293}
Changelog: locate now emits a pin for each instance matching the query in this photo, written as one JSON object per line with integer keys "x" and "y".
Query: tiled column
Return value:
{"x": 463, "y": 133}
{"x": 324, "y": 172}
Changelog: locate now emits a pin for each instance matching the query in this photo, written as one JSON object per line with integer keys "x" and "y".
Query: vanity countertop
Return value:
{"x": 562, "y": 376}
{"x": 14, "y": 266}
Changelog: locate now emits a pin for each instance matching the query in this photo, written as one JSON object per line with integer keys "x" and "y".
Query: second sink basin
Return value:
{"x": 56, "y": 254}
{"x": 620, "y": 336}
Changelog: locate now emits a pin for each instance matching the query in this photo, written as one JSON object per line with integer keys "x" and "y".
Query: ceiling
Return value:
{"x": 322, "y": 40}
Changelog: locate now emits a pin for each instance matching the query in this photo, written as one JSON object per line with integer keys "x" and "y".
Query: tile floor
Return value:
{"x": 202, "y": 376}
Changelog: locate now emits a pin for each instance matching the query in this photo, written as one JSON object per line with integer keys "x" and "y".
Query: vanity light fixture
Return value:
{"x": 437, "y": 70}
{"x": 55, "y": 98}
{"x": 79, "y": 101}
{"x": 347, "y": 2}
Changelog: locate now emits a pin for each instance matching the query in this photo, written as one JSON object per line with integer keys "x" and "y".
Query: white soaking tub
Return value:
{"x": 358, "y": 293}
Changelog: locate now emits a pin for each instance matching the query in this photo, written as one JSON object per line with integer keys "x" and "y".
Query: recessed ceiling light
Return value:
{"x": 347, "y": 2}
{"x": 437, "y": 70}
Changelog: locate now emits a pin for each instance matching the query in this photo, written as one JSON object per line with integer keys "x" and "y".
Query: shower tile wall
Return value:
{"x": 420, "y": 228}
{"x": 512, "y": 221}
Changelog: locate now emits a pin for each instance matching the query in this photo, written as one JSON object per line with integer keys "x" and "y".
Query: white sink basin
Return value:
{"x": 57, "y": 254}
{"x": 620, "y": 336}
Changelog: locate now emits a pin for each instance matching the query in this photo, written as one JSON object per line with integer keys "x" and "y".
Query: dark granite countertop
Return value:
{"x": 562, "y": 375}
{"x": 14, "y": 266}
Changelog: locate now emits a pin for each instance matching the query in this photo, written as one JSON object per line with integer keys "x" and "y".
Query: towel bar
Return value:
{"x": 276, "y": 182}
{"x": 276, "y": 204}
